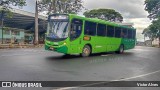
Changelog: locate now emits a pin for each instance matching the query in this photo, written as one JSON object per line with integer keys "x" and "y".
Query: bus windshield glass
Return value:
{"x": 57, "y": 28}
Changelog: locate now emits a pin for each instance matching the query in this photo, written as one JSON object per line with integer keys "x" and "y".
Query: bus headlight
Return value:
{"x": 64, "y": 43}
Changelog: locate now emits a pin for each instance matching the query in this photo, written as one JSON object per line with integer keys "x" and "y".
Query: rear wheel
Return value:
{"x": 121, "y": 49}
{"x": 86, "y": 51}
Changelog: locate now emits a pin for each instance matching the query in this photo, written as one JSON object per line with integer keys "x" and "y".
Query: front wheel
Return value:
{"x": 86, "y": 51}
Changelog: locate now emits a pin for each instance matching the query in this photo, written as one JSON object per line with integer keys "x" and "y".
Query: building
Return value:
{"x": 20, "y": 28}
{"x": 12, "y": 35}
{"x": 156, "y": 41}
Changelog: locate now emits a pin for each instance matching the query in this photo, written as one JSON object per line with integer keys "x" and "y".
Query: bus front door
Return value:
{"x": 76, "y": 30}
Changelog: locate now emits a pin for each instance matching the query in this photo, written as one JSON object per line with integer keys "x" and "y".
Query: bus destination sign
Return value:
{"x": 56, "y": 17}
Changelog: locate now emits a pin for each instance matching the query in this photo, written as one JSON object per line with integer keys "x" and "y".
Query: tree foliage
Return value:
{"x": 6, "y": 5}
{"x": 105, "y": 14}
{"x": 155, "y": 27}
{"x": 60, "y": 6}
{"x": 153, "y": 8}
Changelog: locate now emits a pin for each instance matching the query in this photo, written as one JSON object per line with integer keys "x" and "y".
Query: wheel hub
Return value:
{"x": 86, "y": 51}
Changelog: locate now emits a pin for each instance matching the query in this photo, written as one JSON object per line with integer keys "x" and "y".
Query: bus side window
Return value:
{"x": 124, "y": 33}
{"x": 101, "y": 30}
{"x": 110, "y": 31}
{"x": 117, "y": 32}
{"x": 90, "y": 28}
{"x": 129, "y": 34}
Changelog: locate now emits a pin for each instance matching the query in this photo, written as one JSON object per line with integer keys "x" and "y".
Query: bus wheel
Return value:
{"x": 121, "y": 49}
{"x": 86, "y": 51}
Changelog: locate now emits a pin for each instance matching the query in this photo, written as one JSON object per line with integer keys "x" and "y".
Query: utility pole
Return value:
{"x": 36, "y": 42}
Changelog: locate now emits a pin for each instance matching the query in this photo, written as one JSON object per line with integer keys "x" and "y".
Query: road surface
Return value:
{"x": 139, "y": 64}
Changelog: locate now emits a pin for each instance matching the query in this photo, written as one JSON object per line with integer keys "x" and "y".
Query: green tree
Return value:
{"x": 148, "y": 33}
{"x": 153, "y": 8}
{"x": 105, "y": 14}
{"x": 6, "y": 5}
{"x": 155, "y": 28}
{"x": 60, "y": 6}
{"x": 153, "y": 31}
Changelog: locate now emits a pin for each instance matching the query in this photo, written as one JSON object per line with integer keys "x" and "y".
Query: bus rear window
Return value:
{"x": 124, "y": 33}
{"x": 134, "y": 34}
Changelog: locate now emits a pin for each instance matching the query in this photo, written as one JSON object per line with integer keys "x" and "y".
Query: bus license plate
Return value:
{"x": 51, "y": 48}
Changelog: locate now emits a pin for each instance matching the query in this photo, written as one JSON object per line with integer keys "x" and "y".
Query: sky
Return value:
{"x": 131, "y": 10}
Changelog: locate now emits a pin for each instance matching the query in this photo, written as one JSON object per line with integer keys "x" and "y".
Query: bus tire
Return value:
{"x": 86, "y": 51}
{"x": 121, "y": 49}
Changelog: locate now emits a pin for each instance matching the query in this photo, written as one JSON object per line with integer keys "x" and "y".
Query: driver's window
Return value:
{"x": 76, "y": 29}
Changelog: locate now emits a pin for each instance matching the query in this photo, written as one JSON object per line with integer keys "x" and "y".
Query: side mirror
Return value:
{"x": 71, "y": 26}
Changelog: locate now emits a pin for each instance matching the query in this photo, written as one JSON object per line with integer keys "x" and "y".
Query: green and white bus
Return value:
{"x": 72, "y": 34}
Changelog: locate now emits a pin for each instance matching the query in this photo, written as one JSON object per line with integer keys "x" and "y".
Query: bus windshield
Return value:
{"x": 57, "y": 29}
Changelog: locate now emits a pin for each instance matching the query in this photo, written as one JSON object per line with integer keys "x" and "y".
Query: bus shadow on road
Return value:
{"x": 78, "y": 57}
{"x": 63, "y": 57}
{"x": 128, "y": 53}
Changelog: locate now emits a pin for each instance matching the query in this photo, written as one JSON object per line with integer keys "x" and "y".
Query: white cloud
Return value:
{"x": 139, "y": 23}
{"x": 128, "y": 8}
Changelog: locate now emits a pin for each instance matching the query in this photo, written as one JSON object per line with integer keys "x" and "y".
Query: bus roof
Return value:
{"x": 100, "y": 21}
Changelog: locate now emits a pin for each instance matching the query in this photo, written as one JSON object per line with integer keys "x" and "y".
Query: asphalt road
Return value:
{"x": 139, "y": 64}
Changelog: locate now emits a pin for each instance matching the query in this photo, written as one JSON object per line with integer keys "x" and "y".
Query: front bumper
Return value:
{"x": 60, "y": 49}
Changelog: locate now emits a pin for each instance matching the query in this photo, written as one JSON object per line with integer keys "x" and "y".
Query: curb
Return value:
{"x": 20, "y": 46}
